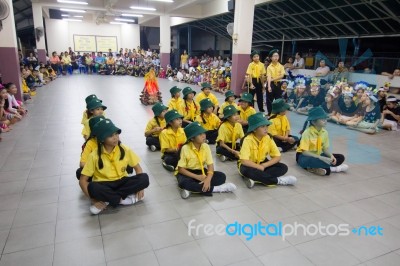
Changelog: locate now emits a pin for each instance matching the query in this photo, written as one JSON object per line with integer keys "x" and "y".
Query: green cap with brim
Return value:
{"x": 104, "y": 129}
{"x": 171, "y": 115}
{"x": 205, "y": 103}
{"x": 246, "y": 97}
{"x": 95, "y": 104}
{"x": 229, "y": 94}
{"x": 229, "y": 111}
{"x": 187, "y": 91}
{"x": 193, "y": 129}
{"x": 92, "y": 122}
{"x": 316, "y": 113}
{"x": 257, "y": 120}
{"x": 205, "y": 85}
{"x": 174, "y": 90}
{"x": 279, "y": 106}
{"x": 91, "y": 97}
{"x": 158, "y": 108}
{"x": 253, "y": 53}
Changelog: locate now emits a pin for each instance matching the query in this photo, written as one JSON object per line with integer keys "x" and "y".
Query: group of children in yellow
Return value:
{"x": 183, "y": 130}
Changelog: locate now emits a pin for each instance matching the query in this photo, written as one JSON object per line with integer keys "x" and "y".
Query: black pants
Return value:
{"x": 153, "y": 141}
{"x": 311, "y": 162}
{"x": 171, "y": 158}
{"x": 268, "y": 177}
{"x": 193, "y": 185}
{"x": 129, "y": 170}
{"x": 211, "y": 136}
{"x": 276, "y": 93}
{"x": 222, "y": 151}
{"x": 114, "y": 191}
{"x": 259, "y": 93}
{"x": 286, "y": 145}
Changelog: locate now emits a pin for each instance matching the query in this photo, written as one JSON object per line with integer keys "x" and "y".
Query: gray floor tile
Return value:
{"x": 42, "y": 256}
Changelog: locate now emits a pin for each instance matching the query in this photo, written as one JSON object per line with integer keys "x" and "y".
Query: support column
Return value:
{"x": 38, "y": 24}
{"x": 189, "y": 42}
{"x": 243, "y": 31}
{"x": 165, "y": 40}
{"x": 9, "y": 52}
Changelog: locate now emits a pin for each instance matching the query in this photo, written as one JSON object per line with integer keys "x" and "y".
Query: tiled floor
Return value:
{"x": 44, "y": 217}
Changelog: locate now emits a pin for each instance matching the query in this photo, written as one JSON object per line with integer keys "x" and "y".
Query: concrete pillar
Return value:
{"x": 9, "y": 52}
{"x": 38, "y": 24}
{"x": 243, "y": 30}
{"x": 165, "y": 40}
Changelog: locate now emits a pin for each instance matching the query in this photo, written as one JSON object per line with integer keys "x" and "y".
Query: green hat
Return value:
{"x": 229, "y": 111}
{"x": 272, "y": 52}
{"x": 247, "y": 97}
{"x": 193, "y": 129}
{"x": 95, "y": 104}
{"x": 171, "y": 115}
{"x": 229, "y": 94}
{"x": 93, "y": 121}
{"x": 187, "y": 91}
{"x": 104, "y": 129}
{"x": 257, "y": 120}
{"x": 205, "y": 85}
{"x": 158, "y": 108}
{"x": 253, "y": 53}
{"x": 316, "y": 113}
{"x": 205, "y": 103}
{"x": 279, "y": 105}
{"x": 174, "y": 90}
{"x": 91, "y": 97}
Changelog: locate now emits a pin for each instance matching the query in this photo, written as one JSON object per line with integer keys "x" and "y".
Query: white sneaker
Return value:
{"x": 317, "y": 171}
{"x": 128, "y": 200}
{"x": 222, "y": 158}
{"x": 153, "y": 148}
{"x": 94, "y": 210}
{"x": 226, "y": 187}
{"x": 185, "y": 194}
{"x": 249, "y": 182}
{"x": 287, "y": 180}
{"x": 135, "y": 199}
{"x": 340, "y": 168}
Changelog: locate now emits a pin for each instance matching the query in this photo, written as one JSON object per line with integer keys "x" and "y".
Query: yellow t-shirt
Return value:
{"x": 113, "y": 168}
{"x": 275, "y": 71}
{"x": 90, "y": 146}
{"x": 244, "y": 114}
{"x": 177, "y": 104}
{"x": 153, "y": 123}
{"x": 110, "y": 61}
{"x": 256, "y": 70}
{"x": 194, "y": 159}
{"x": 280, "y": 126}
{"x": 257, "y": 150}
{"x": 230, "y": 134}
{"x": 190, "y": 110}
{"x": 314, "y": 141}
{"x": 169, "y": 139}
{"x": 66, "y": 60}
{"x": 202, "y": 96}
{"x": 184, "y": 58}
{"x": 211, "y": 121}
{"x": 86, "y": 128}
{"x": 84, "y": 116}
{"x": 225, "y": 104}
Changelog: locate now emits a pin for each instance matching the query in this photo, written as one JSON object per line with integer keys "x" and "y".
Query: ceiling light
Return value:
{"x": 70, "y": 19}
{"x": 117, "y": 23}
{"x": 132, "y": 15}
{"x": 72, "y": 2}
{"x": 73, "y": 10}
{"x": 143, "y": 8}
{"x": 78, "y": 16}
{"x": 64, "y": 15}
{"x": 125, "y": 20}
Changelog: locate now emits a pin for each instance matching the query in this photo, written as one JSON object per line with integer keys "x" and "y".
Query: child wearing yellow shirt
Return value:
{"x": 191, "y": 108}
{"x": 313, "y": 152}
{"x": 206, "y": 93}
{"x": 208, "y": 120}
{"x": 280, "y": 127}
{"x": 171, "y": 139}
{"x": 229, "y": 100}
{"x": 229, "y": 133}
{"x": 155, "y": 126}
{"x": 245, "y": 109}
{"x": 176, "y": 102}
{"x": 196, "y": 167}
{"x": 111, "y": 184}
{"x": 94, "y": 108}
{"x": 254, "y": 164}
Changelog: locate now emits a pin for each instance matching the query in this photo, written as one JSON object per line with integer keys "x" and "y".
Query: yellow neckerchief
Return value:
{"x": 175, "y": 134}
{"x": 232, "y": 128}
{"x": 209, "y": 120}
{"x": 314, "y": 131}
{"x": 197, "y": 152}
{"x": 190, "y": 110}
{"x": 110, "y": 157}
{"x": 259, "y": 147}
{"x": 256, "y": 70}
{"x": 284, "y": 123}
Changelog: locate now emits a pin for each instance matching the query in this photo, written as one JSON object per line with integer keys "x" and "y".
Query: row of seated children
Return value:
{"x": 11, "y": 110}
{"x": 106, "y": 166}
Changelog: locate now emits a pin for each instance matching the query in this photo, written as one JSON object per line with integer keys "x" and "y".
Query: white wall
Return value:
{"x": 60, "y": 33}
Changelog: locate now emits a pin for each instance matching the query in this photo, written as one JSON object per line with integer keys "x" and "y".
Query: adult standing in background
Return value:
{"x": 275, "y": 72}
{"x": 256, "y": 76}
{"x": 184, "y": 60}
{"x": 298, "y": 61}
